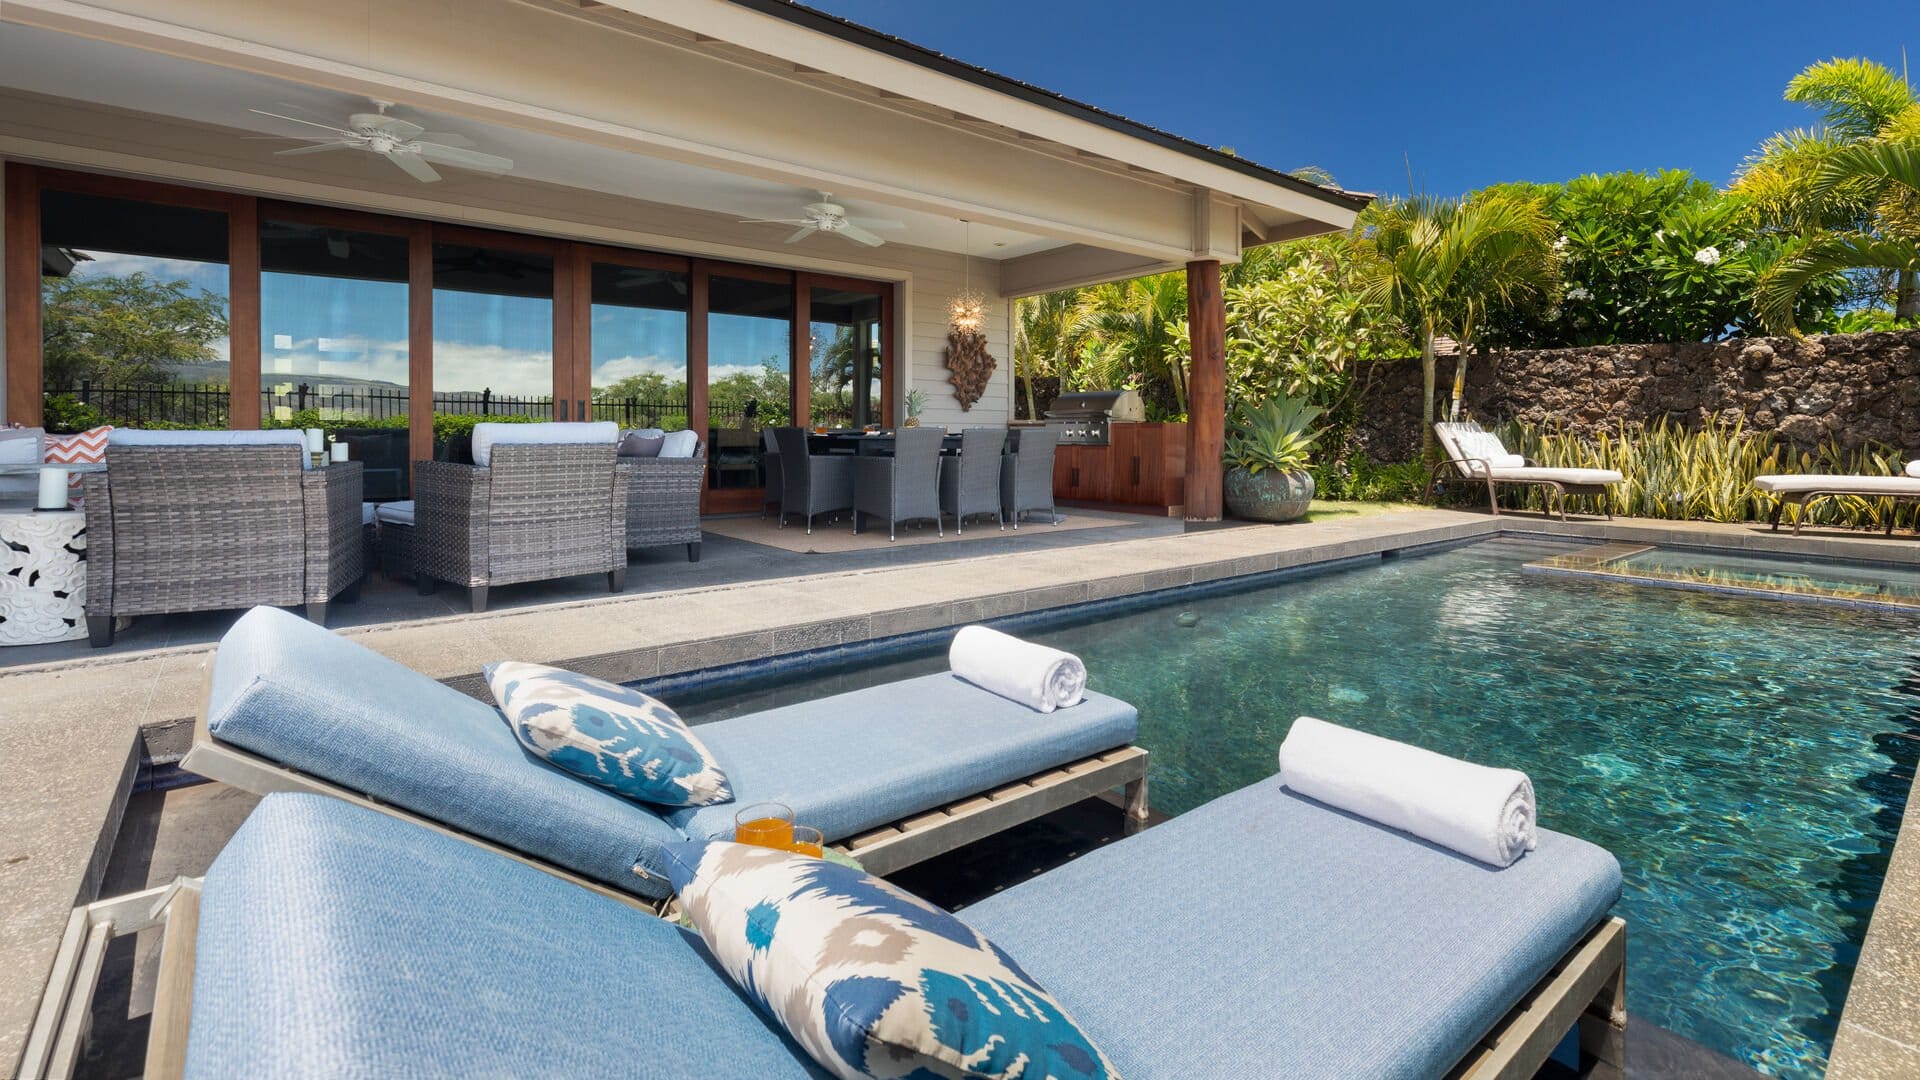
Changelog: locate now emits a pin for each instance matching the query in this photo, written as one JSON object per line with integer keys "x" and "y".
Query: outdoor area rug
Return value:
{"x": 838, "y": 536}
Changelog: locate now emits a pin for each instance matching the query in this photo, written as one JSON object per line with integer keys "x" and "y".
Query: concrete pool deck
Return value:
{"x": 76, "y": 730}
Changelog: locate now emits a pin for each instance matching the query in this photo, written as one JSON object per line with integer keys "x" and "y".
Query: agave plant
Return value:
{"x": 1274, "y": 434}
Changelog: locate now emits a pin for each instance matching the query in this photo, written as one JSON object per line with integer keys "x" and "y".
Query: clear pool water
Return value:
{"x": 1747, "y": 760}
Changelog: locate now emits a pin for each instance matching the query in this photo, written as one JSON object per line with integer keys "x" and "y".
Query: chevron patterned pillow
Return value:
{"x": 89, "y": 447}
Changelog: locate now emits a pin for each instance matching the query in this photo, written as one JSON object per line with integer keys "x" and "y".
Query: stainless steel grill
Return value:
{"x": 1085, "y": 419}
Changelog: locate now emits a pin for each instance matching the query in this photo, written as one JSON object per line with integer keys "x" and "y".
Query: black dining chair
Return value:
{"x": 970, "y": 481}
{"x": 811, "y": 484}
{"x": 904, "y": 487}
{"x": 770, "y": 467}
{"x": 1026, "y": 475}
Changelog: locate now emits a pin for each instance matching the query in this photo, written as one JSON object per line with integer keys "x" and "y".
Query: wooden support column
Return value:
{"x": 1206, "y": 389}
{"x": 800, "y": 369}
{"x": 243, "y": 315}
{"x": 22, "y": 301}
{"x": 419, "y": 344}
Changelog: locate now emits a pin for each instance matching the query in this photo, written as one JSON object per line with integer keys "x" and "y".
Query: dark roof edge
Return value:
{"x": 902, "y": 49}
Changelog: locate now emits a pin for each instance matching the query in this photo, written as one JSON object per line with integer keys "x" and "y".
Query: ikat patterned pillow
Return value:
{"x": 605, "y": 733}
{"x": 870, "y": 980}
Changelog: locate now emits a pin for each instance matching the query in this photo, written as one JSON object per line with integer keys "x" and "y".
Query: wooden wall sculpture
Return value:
{"x": 970, "y": 365}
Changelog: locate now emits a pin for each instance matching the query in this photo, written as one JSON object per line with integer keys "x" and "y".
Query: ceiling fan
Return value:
{"x": 828, "y": 216}
{"x": 412, "y": 148}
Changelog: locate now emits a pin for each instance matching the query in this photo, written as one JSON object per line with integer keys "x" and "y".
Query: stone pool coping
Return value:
{"x": 76, "y": 731}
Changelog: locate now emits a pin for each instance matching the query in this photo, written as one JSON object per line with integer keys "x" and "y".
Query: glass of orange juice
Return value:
{"x": 808, "y": 841}
{"x": 768, "y": 824}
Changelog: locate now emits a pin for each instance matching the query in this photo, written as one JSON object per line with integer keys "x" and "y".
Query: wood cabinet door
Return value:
{"x": 1081, "y": 473}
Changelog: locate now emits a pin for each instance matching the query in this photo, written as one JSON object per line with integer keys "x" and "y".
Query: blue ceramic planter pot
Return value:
{"x": 1268, "y": 495}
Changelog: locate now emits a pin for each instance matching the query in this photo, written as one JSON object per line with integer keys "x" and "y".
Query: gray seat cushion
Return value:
{"x": 1266, "y": 934}
{"x": 856, "y": 761}
{"x": 336, "y": 941}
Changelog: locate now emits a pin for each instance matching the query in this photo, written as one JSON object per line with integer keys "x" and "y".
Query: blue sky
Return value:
{"x": 1471, "y": 93}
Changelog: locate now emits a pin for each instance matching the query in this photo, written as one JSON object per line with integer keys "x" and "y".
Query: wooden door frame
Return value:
{"x": 25, "y": 184}
{"x": 805, "y": 282}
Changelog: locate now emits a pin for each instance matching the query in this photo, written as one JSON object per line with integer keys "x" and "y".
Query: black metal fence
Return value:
{"x": 200, "y": 406}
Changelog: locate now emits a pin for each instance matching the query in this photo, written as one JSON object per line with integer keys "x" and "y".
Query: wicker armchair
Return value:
{"x": 206, "y": 528}
{"x": 1026, "y": 475}
{"x": 970, "y": 483}
{"x": 535, "y": 512}
{"x": 663, "y": 501}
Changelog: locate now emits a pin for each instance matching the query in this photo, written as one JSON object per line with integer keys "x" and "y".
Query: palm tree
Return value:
{"x": 1133, "y": 327}
{"x": 1788, "y": 181}
{"x": 1439, "y": 265}
{"x": 1891, "y": 240}
{"x": 1041, "y": 333}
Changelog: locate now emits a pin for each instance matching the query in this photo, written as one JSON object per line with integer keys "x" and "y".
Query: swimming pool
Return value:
{"x": 1747, "y": 760}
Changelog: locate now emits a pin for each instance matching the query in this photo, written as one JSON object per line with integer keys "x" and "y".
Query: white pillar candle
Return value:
{"x": 339, "y": 452}
{"x": 53, "y": 488}
{"x": 316, "y": 440}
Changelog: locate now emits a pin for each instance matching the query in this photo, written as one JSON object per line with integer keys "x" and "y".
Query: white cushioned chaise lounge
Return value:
{"x": 1477, "y": 454}
{"x": 1804, "y": 489}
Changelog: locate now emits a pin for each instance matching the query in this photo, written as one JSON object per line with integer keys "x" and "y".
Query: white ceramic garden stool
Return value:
{"x": 43, "y": 576}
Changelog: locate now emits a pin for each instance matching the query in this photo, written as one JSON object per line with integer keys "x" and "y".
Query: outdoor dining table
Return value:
{"x": 866, "y": 443}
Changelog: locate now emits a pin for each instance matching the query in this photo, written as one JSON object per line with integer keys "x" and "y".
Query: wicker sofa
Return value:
{"x": 230, "y": 521}
{"x": 663, "y": 502}
{"x": 534, "y": 512}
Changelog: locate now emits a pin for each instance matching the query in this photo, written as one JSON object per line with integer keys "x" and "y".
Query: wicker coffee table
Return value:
{"x": 43, "y": 576}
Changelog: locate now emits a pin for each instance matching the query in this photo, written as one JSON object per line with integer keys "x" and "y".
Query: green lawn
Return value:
{"x": 1329, "y": 510}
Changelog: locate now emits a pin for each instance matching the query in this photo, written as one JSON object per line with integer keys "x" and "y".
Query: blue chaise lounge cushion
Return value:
{"x": 335, "y": 941}
{"x": 308, "y": 699}
{"x": 1266, "y": 934}
{"x": 870, "y": 980}
{"x": 607, "y": 734}
{"x": 857, "y": 761}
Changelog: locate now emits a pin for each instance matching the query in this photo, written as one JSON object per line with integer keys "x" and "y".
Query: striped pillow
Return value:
{"x": 87, "y": 448}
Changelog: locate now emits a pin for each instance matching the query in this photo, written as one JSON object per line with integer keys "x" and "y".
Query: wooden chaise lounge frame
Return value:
{"x": 1587, "y": 988}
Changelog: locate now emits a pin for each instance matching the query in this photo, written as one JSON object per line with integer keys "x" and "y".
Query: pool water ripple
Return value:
{"x": 1743, "y": 758}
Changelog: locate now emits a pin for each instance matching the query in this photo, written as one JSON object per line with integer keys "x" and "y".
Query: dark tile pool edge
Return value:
{"x": 893, "y": 645}
{"x": 1778, "y": 596}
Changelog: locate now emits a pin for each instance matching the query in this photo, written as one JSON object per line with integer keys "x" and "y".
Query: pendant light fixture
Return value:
{"x": 968, "y": 312}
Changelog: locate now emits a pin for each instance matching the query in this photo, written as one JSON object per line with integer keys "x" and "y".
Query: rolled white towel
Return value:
{"x": 1913, "y": 467}
{"x": 1033, "y": 675}
{"x": 1483, "y": 813}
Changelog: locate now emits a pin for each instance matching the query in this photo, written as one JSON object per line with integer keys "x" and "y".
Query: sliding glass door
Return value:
{"x": 334, "y": 348}
{"x": 167, "y": 304}
{"x": 493, "y": 339}
{"x": 637, "y": 343}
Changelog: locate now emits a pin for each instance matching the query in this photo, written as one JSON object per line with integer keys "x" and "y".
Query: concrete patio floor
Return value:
{"x": 80, "y": 722}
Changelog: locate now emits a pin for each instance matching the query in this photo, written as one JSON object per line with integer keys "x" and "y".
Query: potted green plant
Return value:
{"x": 1267, "y": 453}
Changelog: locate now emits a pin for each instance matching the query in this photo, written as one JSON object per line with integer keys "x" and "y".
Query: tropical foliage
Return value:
{"x": 1441, "y": 267}
{"x": 1276, "y": 433}
{"x": 1844, "y": 192}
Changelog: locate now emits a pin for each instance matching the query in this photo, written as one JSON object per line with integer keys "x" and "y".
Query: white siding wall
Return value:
{"x": 937, "y": 279}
